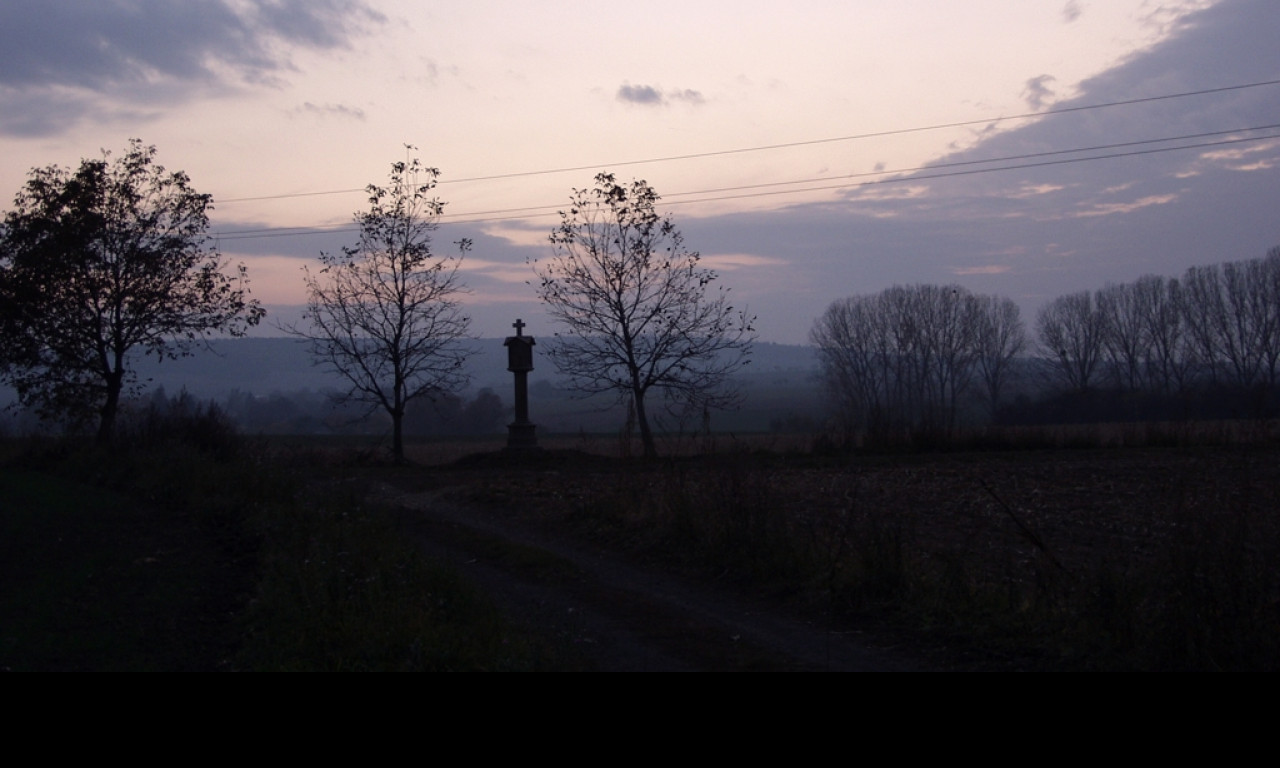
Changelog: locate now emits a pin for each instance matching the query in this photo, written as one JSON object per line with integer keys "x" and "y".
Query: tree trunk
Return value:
{"x": 107, "y": 414}
{"x": 646, "y": 435}
{"x": 397, "y": 436}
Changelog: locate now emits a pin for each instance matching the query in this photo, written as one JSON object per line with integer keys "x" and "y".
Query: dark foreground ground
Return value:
{"x": 1067, "y": 559}
{"x": 611, "y": 610}
{"x": 1036, "y": 560}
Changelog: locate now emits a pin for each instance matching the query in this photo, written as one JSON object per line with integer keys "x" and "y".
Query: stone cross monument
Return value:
{"x": 521, "y": 432}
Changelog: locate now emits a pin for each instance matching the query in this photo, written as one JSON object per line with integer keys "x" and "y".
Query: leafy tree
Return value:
{"x": 101, "y": 262}
{"x": 385, "y": 314}
{"x": 638, "y": 309}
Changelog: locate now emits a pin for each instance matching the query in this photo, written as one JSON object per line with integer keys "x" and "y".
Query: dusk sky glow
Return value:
{"x": 284, "y": 110}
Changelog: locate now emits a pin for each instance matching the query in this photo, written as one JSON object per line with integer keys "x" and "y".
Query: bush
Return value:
{"x": 182, "y": 420}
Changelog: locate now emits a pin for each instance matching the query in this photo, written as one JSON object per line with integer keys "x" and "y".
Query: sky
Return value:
{"x": 802, "y": 151}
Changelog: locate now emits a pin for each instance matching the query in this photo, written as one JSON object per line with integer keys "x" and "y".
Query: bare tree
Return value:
{"x": 948, "y": 347}
{"x": 638, "y": 310}
{"x": 1269, "y": 288}
{"x": 1124, "y": 336}
{"x": 1169, "y": 354}
{"x": 1000, "y": 338}
{"x": 1071, "y": 332}
{"x": 1253, "y": 335}
{"x": 853, "y": 347}
{"x": 385, "y": 314}
{"x": 1227, "y": 310}
{"x": 903, "y": 361}
{"x": 1204, "y": 312}
{"x": 1240, "y": 325}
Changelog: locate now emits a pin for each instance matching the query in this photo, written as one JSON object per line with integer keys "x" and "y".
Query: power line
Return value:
{"x": 1006, "y": 158}
{"x": 285, "y": 195}
{"x": 875, "y": 134}
{"x": 788, "y": 145}
{"x": 550, "y": 210}
{"x": 968, "y": 172}
{"x": 973, "y": 171}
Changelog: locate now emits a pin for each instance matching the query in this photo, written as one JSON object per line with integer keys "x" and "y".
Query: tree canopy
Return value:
{"x": 637, "y": 309}
{"x": 99, "y": 262}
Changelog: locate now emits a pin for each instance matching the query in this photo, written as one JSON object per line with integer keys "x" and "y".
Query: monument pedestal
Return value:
{"x": 521, "y": 436}
{"x": 521, "y": 433}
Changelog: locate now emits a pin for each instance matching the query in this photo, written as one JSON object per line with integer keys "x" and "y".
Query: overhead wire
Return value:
{"x": 875, "y": 134}
{"x": 788, "y": 145}
{"x": 1006, "y": 158}
{"x": 925, "y": 172}
{"x": 972, "y": 171}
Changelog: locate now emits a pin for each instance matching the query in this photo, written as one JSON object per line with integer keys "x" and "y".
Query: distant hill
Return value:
{"x": 780, "y": 384}
{"x": 262, "y": 366}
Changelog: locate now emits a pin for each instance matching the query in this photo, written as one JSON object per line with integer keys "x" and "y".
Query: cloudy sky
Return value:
{"x": 1026, "y": 148}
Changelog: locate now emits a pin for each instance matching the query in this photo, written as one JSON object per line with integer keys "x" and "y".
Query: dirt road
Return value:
{"x": 614, "y": 614}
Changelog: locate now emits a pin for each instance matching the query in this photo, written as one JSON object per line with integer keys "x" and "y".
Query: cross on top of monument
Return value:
{"x": 518, "y": 325}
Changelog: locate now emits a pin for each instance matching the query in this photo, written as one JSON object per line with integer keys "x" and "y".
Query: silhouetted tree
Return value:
{"x": 858, "y": 354}
{"x": 1000, "y": 337}
{"x": 385, "y": 314}
{"x": 902, "y": 361}
{"x": 104, "y": 261}
{"x": 1168, "y": 352}
{"x": 1125, "y": 335}
{"x": 1071, "y": 332}
{"x": 638, "y": 310}
{"x": 1232, "y": 315}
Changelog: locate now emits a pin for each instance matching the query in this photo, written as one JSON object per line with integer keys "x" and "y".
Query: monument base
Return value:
{"x": 522, "y": 436}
